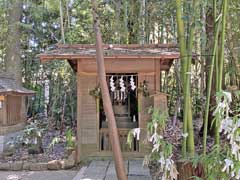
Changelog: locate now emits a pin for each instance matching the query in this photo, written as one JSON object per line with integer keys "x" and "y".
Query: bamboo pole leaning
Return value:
{"x": 113, "y": 133}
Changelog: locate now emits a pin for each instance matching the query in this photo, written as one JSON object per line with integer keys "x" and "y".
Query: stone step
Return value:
{"x": 123, "y": 119}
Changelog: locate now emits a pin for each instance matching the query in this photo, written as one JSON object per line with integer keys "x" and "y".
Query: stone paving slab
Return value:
{"x": 111, "y": 172}
{"x": 96, "y": 170}
{"x": 80, "y": 173}
{"x": 111, "y": 169}
{"x": 105, "y": 170}
{"x": 111, "y": 177}
{"x": 136, "y": 168}
{"x": 38, "y": 175}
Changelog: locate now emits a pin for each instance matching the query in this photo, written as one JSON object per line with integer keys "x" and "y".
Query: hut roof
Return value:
{"x": 166, "y": 52}
{"x": 9, "y": 85}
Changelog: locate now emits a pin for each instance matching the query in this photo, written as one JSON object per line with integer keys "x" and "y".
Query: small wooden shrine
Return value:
{"x": 12, "y": 110}
{"x": 134, "y": 79}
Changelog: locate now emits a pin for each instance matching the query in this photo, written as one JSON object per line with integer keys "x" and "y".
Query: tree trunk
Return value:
{"x": 63, "y": 112}
{"x": 118, "y": 22}
{"x": 133, "y": 22}
{"x": 13, "y": 54}
{"x": 209, "y": 47}
{"x": 107, "y": 104}
{"x": 209, "y": 87}
{"x": 61, "y": 22}
{"x": 142, "y": 22}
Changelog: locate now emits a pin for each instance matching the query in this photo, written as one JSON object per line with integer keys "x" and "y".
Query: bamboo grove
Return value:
{"x": 216, "y": 65}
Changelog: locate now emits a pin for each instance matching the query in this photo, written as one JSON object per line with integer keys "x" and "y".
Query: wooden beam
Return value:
{"x": 112, "y": 66}
{"x": 2, "y": 98}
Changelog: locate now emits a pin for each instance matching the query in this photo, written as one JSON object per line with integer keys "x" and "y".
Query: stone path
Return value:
{"x": 38, "y": 175}
{"x": 105, "y": 170}
{"x": 97, "y": 170}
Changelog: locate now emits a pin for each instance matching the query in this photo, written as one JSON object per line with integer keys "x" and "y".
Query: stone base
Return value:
{"x": 39, "y": 166}
{"x": 4, "y": 139}
{"x": 11, "y": 129}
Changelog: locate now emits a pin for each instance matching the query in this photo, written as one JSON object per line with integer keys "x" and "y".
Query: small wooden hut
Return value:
{"x": 134, "y": 78}
{"x": 12, "y": 110}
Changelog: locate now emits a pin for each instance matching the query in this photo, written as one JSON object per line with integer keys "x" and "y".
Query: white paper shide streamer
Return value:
{"x": 112, "y": 84}
{"x": 122, "y": 88}
{"x": 121, "y": 83}
{"x": 132, "y": 83}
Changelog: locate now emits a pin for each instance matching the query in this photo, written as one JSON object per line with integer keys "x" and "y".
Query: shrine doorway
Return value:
{"x": 123, "y": 91}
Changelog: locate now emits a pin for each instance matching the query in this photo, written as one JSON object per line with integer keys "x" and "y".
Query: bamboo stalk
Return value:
{"x": 221, "y": 63}
{"x": 181, "y": 38}
{"x": 216, "y": 56}
{"x": 188, "y": 104}
{"x": 183, "y": 53}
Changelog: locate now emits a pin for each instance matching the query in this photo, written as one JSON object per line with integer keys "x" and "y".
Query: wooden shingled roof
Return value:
{"x": 8, "y": 85}
{"x": 166, "y": 52}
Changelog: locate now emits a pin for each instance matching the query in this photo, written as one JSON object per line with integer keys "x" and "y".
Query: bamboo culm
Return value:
{"x": 221, "y": 63}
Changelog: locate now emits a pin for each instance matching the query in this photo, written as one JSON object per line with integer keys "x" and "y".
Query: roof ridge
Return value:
{"x": 112, "y": 46}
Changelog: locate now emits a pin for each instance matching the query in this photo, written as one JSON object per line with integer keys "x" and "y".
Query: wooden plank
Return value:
{"x": 88, "y": 115}
{"x": 2, "y": 112}
{"x": 79, "y": 112}
{"x": 5, "y": 112}
{"x": 151, "y": 81}
{"x": 23, "y": 109}
{"x": 14, "y": 110}
{"x": 2, "y": 98}
{"x": 114, "y": 66}
{"x": 89, "y": 149}
{"x": 89, "y": 136}
{"x": 160, "y": 102}
{"x": 145, "y": 103}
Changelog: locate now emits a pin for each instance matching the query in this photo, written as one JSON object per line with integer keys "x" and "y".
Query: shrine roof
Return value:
{"x": 82, "y": 51}
{"x": 9, "y": 85}
{"x": 165, "y": 52}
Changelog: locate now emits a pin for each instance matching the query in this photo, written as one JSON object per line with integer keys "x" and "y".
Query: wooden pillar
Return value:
{"x": 79, "y": 113}
{"x": 5, "y": 117}
{"x": 23, "y": 109}
{"x": 157, "y": 75}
